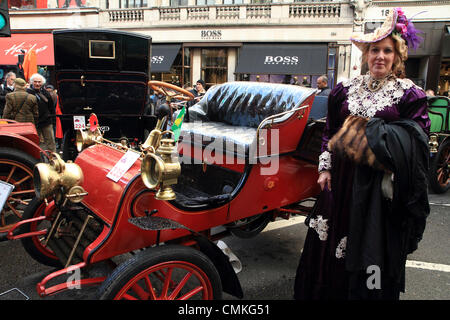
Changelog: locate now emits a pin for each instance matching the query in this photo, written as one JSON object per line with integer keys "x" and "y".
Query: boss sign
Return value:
{"x": 281, "y": 59}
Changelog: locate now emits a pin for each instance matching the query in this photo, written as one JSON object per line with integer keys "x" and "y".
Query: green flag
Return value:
{"x": 176, "y": 127}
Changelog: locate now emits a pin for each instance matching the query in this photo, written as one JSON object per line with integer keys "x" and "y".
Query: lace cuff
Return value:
{"x": 324, "y": 161}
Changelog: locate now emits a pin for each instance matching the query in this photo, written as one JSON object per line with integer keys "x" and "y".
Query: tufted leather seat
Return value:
{"x": 231, "y": 112}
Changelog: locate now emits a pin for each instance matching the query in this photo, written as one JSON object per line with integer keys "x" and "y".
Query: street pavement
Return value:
{"x": 269, "y": 262}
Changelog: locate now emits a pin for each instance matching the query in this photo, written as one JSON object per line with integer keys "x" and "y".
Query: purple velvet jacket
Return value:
{"x": 411, "y": 103}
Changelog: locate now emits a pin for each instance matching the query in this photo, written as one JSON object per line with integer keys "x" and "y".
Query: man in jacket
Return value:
{"x": 5, "y": 88}
{"x": 46, "y": 112}
{"x": 20, "y": 105}
{"x": 322, "y": 85}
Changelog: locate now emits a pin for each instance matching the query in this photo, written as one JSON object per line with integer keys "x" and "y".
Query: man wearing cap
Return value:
{"x": 20, "y": 105}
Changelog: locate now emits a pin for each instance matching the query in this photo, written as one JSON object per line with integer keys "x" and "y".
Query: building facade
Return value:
{"x": 282, "y": 41}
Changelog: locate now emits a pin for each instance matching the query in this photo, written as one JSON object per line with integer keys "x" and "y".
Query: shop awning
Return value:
{"x": 163, "y": 56}
{"x": 42, "y": 43}
{"x": 283, "y": 59}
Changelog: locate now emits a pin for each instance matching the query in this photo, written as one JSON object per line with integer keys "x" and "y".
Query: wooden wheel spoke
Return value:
{"x": 22, "y": 180}
{"x": 192, "y": 293}
{"x": 167, "y": 282}
{"x": 126, "y": 296}
{"x": 22, "y": 192}
{"x": 140, "y": 291}
{"x": 3, "y": 217}
{"x": 17, "y": 213}
{"x": 152, "y": 294}
{"x": 13, "y": 169}
{"x": 180, "y": 286}
{"x": 18, "y": 200}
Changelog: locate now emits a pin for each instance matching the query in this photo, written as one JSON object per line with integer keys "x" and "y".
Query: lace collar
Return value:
{"x": 365, "y": 103}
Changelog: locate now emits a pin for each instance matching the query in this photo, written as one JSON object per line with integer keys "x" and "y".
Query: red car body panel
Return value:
{"x": 292, "y": 181}
{"x": 20, "y": 135}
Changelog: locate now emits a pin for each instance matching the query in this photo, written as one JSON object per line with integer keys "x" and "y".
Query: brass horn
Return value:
{"x": 49, "y": 178}
{"x": 161, "y": 169}
{"x": 86, "y": 138}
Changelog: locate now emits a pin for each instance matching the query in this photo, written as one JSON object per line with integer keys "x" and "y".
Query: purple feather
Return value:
{"x": 411, "y": 36}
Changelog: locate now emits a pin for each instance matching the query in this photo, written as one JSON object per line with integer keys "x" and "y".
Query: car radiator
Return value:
{"x": 71, "y": 233}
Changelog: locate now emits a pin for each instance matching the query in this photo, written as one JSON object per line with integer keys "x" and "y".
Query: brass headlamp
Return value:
{"x": 433, "y": 143}
{"x": 160, "y": 166}
{"x": 59, "y": 178}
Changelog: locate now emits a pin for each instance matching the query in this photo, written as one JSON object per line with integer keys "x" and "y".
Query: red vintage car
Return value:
{"x": 247, "y": 155}
{"x": 19, "y": 152}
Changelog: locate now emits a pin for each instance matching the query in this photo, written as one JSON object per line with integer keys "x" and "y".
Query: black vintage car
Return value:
{"x": 103, "y": 72}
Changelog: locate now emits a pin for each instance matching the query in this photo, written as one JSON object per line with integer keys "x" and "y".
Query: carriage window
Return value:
{"x": 101, "y": 49}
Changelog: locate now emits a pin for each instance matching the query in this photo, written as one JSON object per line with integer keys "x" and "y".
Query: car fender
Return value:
{"x": 19, "y": 142}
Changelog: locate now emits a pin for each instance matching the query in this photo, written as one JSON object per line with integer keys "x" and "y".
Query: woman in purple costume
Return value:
{"x": 358, "y": 236}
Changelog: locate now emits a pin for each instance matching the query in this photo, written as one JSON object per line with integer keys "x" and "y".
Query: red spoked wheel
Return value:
{"x": 439, "y": 177}
{"x": 168, "y": 272}
{"x": 16, "y": 168}
{"x": 35, "y": 245}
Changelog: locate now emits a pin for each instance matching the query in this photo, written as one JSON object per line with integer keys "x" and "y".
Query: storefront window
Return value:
{"x": 332, "y": 66}
{"x": 178, "y": 3}
{"x": 180, "y": 71}
{"x": 214, "y": 66}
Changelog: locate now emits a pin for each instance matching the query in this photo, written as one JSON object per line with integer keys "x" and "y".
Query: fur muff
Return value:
{"x": 351, "y": 142}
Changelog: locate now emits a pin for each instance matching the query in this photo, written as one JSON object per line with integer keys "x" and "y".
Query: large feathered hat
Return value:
{"x": 397, "y": 23}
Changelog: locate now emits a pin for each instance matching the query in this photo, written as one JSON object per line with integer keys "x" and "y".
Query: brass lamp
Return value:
{"x": 433, "y": 143}
{"x": 161, "y": 169}
{"x": 58, "y": 178}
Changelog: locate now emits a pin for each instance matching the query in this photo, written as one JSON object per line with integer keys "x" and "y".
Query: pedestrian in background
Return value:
{"x": 46, "y": 112}
{"x": 57, "y": 122}
{"x": 20, "y": 105}
{"x": 6, "y": 87}
{"x": 322, "y": 85}
{"x": 373, "y": 174}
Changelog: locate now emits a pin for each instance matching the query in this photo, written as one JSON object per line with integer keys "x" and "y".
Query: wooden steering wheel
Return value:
{"x": 171, "y": 91}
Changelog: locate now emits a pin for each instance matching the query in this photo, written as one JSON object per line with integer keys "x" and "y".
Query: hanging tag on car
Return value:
{"x": 123, "y": 165}
{"x": 79, "y": 122}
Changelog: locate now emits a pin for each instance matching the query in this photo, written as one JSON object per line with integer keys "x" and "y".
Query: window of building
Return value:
{"x": 233, "y": 1}
{"x": 261, "y": 1}
{"x": 205, "y": 2}
{"x": 178, "y": 3}
{"x": 214, "y": 66}
{"x": 133, "y": 4}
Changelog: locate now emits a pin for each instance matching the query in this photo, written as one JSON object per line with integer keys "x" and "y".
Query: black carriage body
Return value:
{"x": 104, "y": 72}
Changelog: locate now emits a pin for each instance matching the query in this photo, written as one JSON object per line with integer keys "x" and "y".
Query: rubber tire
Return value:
{"x": 155, "y": 255}
{"x": 255, "y": 227}
{"x": 19, "y": 156}
{"x": 27, "y": 243}
{"x": 432, "y": 177}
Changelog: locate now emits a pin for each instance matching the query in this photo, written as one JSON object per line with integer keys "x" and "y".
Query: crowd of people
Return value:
{"x": 372, "y": 169}
{"x": 33, "y": 102}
